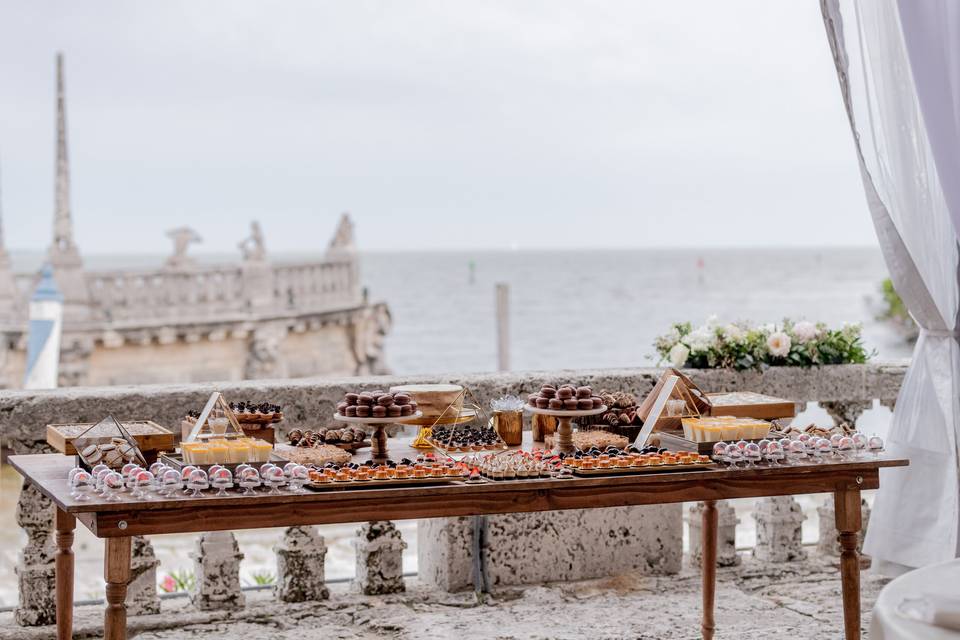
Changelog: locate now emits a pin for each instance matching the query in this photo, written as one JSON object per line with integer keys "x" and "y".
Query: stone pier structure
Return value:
{"x": 300, "y": 566}
{"x": 379, "y": 547}
{"x": 217, "y": 569}
{"x": 779, "y": 530}
{"x": 727, "y": 521}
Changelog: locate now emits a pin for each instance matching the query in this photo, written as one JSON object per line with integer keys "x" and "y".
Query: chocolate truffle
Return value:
{"x": 570, "y": 404}
{"x": 351, "y": 398}
{"x": 556, "y": 404}
{"x": 363, "y": 411}
{"x": 584, "y": 392}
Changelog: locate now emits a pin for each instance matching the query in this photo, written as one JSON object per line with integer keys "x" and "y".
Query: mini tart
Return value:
{"x": 342, "y": 476}
{"x": 419, "y": 473}
{"x": 380, "y": 474}
{"x": 588, "y": 463}
{"x": 403, "y": 471}
{"x": 623, "y": 462}
{"x": 604, "y": 463}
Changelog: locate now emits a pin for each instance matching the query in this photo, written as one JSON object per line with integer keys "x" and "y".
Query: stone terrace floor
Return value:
{"x": 797, "y": 600}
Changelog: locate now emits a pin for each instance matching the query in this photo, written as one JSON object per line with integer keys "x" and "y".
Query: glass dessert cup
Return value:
{"x": 274, "y": 479}
{"x": 249, "y": 480}
{"x": 197, "y": 482}
{"x": 170, "y": 483}
{"x": 221, "y": 479}
{"x": 142, "y": 481}
{"x": 113, "y": 486}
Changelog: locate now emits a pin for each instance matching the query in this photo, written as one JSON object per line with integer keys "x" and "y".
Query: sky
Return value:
{"x": 438, "y": 125}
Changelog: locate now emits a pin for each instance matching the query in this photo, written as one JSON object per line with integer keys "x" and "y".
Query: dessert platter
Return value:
{"x": 425, "y": 470}
{"x": 613, "y": 461}
{"x": 464, "y": 439}
{"x": 347, "y": 438}
{"x": 516, "y": 465}
{"x": 377, "y": 409}
{"x": 565, "y": 402}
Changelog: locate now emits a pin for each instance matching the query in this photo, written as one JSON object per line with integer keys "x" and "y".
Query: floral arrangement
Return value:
{"x": 741, "y": 346}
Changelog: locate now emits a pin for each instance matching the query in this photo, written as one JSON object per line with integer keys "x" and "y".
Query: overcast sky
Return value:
{"x": 437, "y": 124}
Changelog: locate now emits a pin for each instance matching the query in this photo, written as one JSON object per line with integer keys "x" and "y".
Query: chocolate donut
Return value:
{"x": 584, "y": 403}
{"x": 351, "y": 411}
{"x": 556, "y": 404}
{"x": 342, "y": 407}
{"x": 385, "y": 400}
{"x": 401, "y": 398}
{"x": 365, "y": 399}
{"x": 407, "y": 410}
{"x": 379, "y": 411}
{"x": 597, "y": 402}
{"x": 351, "y": 398}
{"x": 394, "y": 410}
{"x": 584, "y": 392}
{"x": 413, "y": 406}
{"x": 570, "y": 404}
{"x": 532, "y": 399}
{"x": 548, "y": 391}
{"x": 363, "y": 410}
{"x": 542, "y": 402}
{"x": 565, "y": 392}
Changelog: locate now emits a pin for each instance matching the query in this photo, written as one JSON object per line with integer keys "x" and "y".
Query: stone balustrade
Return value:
{"x": 455, "y": 553}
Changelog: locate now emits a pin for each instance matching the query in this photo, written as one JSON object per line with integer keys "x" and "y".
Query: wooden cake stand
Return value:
{"x": 564, "y": 437}
{"x": 378, "y": 441}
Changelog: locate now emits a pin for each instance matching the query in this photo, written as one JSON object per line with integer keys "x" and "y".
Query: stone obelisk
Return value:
{"x": 9, "y": 300}
{"x": 63, "y": 255}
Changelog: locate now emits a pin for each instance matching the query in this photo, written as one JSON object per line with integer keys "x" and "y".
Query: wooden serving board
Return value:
{"x": 175, "y": 460}
{"x": 676, "y": 441}
{"x": 662, "y": 468}
{"x": 380, "y": 484}
{"x": 149, "y": 435}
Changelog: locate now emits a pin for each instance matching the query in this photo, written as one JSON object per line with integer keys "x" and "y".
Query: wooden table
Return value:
{"x": 117, "y": 521}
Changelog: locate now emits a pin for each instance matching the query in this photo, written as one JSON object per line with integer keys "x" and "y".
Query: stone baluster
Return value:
{"x": 379, "y": 547}
{"x": 727, "y": 555}
{"x": 779, "y": 530}
{"x": 142, "y": 598}
{"x": 36, "y": 575}
{"x": 846, "y": 411}
{"x": 217, "y": 568}
{"x": 829, "y": 542}
{"x": 300, "y": 566}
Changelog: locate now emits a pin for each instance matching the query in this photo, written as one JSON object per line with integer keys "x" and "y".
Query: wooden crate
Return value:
{"x": 150, "y": 436}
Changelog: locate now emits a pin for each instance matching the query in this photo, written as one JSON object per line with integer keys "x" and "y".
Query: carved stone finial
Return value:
{"x": 254, "y": 248}
{"x": 62, "y": 222}
{"x": 342, "y": 240}
{"x": 182, "y": 238}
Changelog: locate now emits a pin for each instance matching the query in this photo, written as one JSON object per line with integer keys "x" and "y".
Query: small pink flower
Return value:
{"x": 169, "y": 584}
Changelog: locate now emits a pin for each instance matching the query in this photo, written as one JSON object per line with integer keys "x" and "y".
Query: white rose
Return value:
{"x": 779, "y": 344}
{"x": 713, "y": 322}
{"x": 733, "y": 333}
{"x": 700, "y": 340}
{"x": 673, "y": 336}
{"x": 805, "y": 331}
{"x": 678, "y": 355}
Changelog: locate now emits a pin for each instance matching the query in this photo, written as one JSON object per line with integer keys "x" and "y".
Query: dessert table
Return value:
{"x": 117, "y": 521}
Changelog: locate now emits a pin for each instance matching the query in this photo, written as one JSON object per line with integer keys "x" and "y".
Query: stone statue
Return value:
{"x": 342, "y": 240}
{"x": 182, "y": 238}
{"x": 253, "y": 248}
{"x": 264, "y": 359}
{"x": 368, "y": 336}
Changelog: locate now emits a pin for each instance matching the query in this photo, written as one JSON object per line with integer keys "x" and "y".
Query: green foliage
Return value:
{"x": 743, "y": 346}
{"x": 895, "y": 309}
{"x": 262, "y": 578}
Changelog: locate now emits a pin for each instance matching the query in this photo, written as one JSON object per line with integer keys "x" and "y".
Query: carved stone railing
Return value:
{"x": 844, "y": 391}
{"x": 198, "y": 293}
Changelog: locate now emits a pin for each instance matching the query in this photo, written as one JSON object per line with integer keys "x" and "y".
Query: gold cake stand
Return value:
{"x": 563, "y": 440}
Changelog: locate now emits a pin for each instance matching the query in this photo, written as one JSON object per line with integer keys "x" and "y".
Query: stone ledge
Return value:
{"x": 755, "y": 600}
{"x": 24, "y": 414}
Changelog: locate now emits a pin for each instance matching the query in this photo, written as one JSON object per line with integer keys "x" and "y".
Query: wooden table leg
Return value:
{"x": 708, "y": 555}
{"x": 847, "y": 508}
{"x": 65, "y": 525}
{"x": 116, "y": 571}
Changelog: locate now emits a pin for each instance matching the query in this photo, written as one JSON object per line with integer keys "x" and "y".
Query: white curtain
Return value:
{"x": 916, "y": 515}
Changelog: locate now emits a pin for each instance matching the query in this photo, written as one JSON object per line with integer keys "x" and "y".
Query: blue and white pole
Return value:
{"x": 43, "y": 338}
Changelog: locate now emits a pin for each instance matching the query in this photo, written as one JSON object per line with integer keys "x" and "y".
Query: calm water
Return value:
{"x": 604, "y": 308}
{"x": 568, "y": 310}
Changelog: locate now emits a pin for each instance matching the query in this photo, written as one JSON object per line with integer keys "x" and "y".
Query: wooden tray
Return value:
{"x": 442, "y": 447}
{"x": 175, "y": 460}
{"x": 380, "y": 484}
{"x": 676, "y": 441}
{"x": 149, "y": 436}
{"x": 662, "y": 468}
{"x": 258, "y": 418}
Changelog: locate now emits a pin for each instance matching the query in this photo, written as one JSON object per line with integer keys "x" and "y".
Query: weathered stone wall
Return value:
{"x": 309, "y": 401}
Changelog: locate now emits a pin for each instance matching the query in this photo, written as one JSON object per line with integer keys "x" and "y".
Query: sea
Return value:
{"x": 566, "y": 309}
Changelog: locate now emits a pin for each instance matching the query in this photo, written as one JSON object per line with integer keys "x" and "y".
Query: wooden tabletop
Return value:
{"x": 234, "y": 511}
